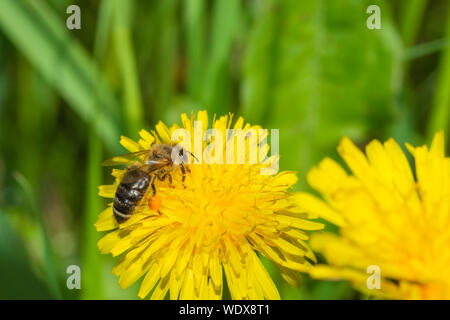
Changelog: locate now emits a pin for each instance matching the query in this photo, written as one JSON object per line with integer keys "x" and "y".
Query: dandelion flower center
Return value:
{"x": 209, "y": 227}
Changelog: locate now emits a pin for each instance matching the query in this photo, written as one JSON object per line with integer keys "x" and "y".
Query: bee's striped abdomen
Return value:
{"x": 129, "y": 192}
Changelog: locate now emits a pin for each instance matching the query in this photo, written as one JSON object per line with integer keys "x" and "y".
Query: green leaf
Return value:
{"x": 16, "y": 276}
{"x": 333, "y": 77}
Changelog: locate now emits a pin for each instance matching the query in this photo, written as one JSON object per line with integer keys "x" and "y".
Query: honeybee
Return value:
{"x": 148, "y": 165}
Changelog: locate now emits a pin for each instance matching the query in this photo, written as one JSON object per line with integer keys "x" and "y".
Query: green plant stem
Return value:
{"x": 413, "y": 11}
{"x": 133, "y": 110}
{"x": 440, "y": 114}
{"x": 91, "y": 259}
{"x": 195, "y": 35}
{"x": 225, "y": 17}
{"x": 92, "y": 280}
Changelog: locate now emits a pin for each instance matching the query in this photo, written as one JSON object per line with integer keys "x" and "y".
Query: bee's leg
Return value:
{"x": 183, "y": 171}
{"x": 152, "y": 184}
{"x": 167, "y": 175}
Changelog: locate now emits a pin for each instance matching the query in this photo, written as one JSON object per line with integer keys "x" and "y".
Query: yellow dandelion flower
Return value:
{"x": 213, "y": 224}
{"x": 394, "y": 224}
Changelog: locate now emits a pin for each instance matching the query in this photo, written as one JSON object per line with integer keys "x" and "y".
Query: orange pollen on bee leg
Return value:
{"x": 155, "y": 203}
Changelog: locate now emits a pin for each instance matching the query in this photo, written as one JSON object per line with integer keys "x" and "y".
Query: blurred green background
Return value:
{"x": 309, "y": 68}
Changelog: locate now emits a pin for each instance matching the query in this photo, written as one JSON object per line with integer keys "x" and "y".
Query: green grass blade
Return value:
{"x": 42, "y": 37}
{"x": 225, "y": 22}
{"x": 164, "y": 54}
{"x": 426, "y": 48}
{"x": 51, "y": 273}
{"x": 260, "y": 63}
{"x": 104, "y": 24}
{"x": 17, "y": 278}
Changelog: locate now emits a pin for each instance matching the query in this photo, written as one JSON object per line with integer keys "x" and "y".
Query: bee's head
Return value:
{"x": 179, "y": 155}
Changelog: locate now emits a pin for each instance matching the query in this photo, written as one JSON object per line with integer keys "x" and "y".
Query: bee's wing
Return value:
{"x": 139, "y": 171}
{"x": 126, "y": 158}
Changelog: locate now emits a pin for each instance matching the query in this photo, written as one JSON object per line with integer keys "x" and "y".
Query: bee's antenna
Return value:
{"x": 193, "y": 156}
